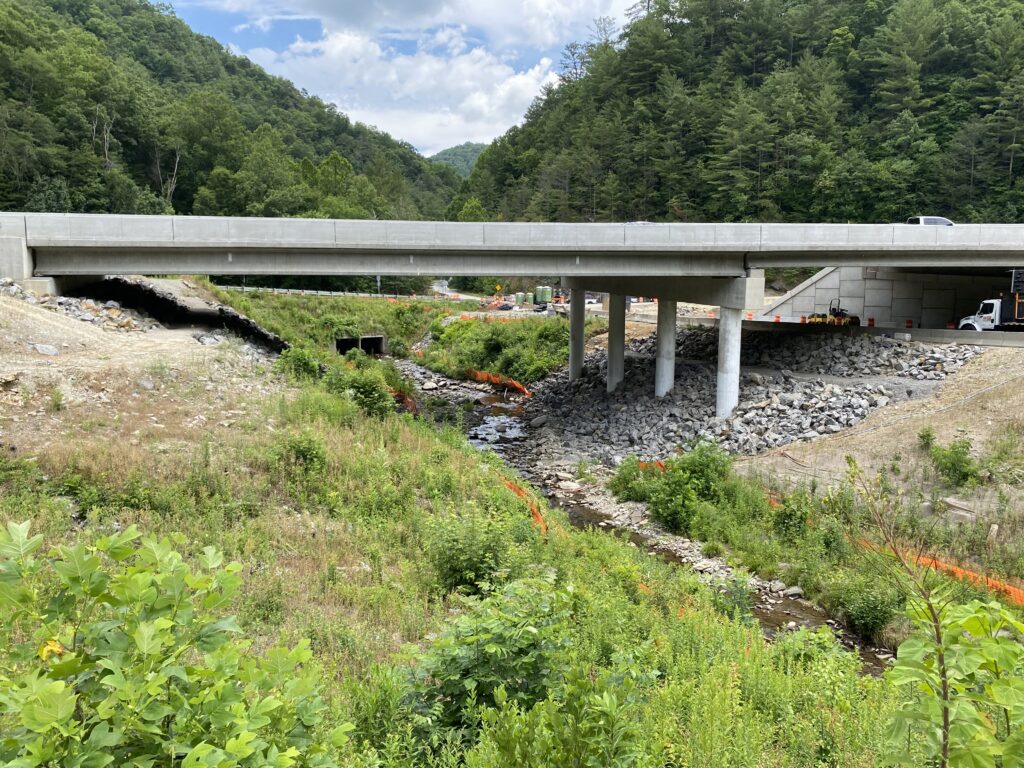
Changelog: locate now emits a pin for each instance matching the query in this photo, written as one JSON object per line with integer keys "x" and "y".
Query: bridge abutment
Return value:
{"x": 15, "y": 258}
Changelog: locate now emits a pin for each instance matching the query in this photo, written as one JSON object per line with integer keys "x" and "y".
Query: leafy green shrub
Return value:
{"x": 632, "y": 482}
{"x": 926, "y": 438}
{"x": 963, "y": 667}
{"x": 511, "y": 640}
{"x": 708, "y": 466}
{"x": 378, "y": 705}
{"x": 789, "y": 519}
{"x": 589, "y": 722}
{"x": 304, "y": 454}
{"x": 129, "y": 662}
{"x": 371, "y": 393}
{"x": 466, "y": 549}
{"x": 341, "y": 327}
{"x": 955, "y": 464}
{"x": 298, "y": 363}
{"x": 366, "y": 386}
{"x": 712, "y": 549}
{"x": 864, "y": 601}
{"x": 674, "y": 500}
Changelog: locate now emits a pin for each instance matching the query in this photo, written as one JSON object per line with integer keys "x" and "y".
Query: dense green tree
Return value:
{"x": 787, "y": 110}
{"x": 117, "y": 106}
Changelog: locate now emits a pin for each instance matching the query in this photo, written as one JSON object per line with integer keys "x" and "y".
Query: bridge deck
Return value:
{"x": 80, "y": 244}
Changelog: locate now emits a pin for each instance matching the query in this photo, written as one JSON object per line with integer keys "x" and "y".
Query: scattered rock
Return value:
{"x": 46, "y": 349}
{"x": 109, "y": 316}
{"x": 793, "y": 592}
{"x": 429, "y": 386}
{"x": 206, "y": 339}
{"x": 776, "y": 586}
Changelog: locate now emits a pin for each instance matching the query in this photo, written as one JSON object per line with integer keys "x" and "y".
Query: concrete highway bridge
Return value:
{"x": 716, "y": 264}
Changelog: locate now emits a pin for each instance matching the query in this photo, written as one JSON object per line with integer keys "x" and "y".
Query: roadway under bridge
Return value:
{"x": 719, "y": 264}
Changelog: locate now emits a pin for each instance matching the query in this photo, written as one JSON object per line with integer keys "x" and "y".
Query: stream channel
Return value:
{"x": 493, "y": 420}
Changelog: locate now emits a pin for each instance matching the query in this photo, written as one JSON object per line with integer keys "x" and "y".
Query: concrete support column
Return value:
{"x": 727, "y": 396}
{"x": 616, "y": 340}
{"x": 665, "y": 365}
{"x": 15, "y": 259}
{"x": 577, "y": 315}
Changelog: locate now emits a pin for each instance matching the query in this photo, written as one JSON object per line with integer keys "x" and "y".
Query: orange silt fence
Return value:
{"x": 499, "y": 381}
{"x": 658, "y": 465}
{"x": 535, "y": 513}
{"x": 1011, "y": 592}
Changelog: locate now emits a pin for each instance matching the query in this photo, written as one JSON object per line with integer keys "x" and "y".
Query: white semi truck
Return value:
{"x": 1002, "y": 314}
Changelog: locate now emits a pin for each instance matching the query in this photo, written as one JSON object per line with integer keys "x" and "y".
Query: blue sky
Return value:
{"x": 434, "y": 73}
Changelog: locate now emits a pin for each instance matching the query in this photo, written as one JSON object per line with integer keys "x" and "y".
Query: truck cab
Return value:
{"x": 987, "y": 318}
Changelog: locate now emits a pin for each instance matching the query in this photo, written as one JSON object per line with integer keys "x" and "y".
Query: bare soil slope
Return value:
{"x": 980, "y": 402}
{"x": 104, "y": 384}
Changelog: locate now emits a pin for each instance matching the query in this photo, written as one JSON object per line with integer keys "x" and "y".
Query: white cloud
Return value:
{"x": 443, "y": 93}
{"x": 431, "y": 72}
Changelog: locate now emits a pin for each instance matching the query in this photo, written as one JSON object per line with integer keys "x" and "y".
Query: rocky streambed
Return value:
{"x": 809, "y": 386}
{"x": 567, "y": 438}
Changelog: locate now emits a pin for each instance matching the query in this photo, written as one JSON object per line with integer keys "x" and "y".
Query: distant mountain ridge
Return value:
{"x": 462, "y": 157}
{"x": 117, "y": 106}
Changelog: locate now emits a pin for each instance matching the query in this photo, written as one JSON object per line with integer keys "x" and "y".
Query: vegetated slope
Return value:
{"x": 462, "y": 157}
{"x": 362, "y": 535}
{"x": 766, "y": 110}
{"x": 117, "y": 106}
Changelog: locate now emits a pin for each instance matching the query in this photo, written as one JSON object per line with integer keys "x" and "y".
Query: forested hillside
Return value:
{"x": 462, "y": 157}
{"x": 117, "y": 106}
{"x": 775, "y": 110}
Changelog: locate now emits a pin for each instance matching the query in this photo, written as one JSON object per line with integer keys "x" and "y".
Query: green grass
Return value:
{"x": 317, "y": 321}
{"x": 364, "y": 534}
{"x": 525, "y": 349}
{"x": 801, "y": 537}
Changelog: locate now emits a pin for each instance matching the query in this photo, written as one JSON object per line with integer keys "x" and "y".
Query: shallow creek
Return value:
{"x": 494, "y": 421}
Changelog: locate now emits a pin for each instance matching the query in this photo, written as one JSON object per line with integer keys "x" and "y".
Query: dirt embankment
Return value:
{"x": 982, "y": 402}
{"x": 65, "y": 381}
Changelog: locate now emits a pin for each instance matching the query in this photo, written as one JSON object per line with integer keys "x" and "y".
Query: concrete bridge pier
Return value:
{"x": 665, "y": 362}
{"x": 616, "y": 340}
{"x": 732, "y": 294}
{"x": 577, "y": 334}
{"x": 727, "y": 393}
